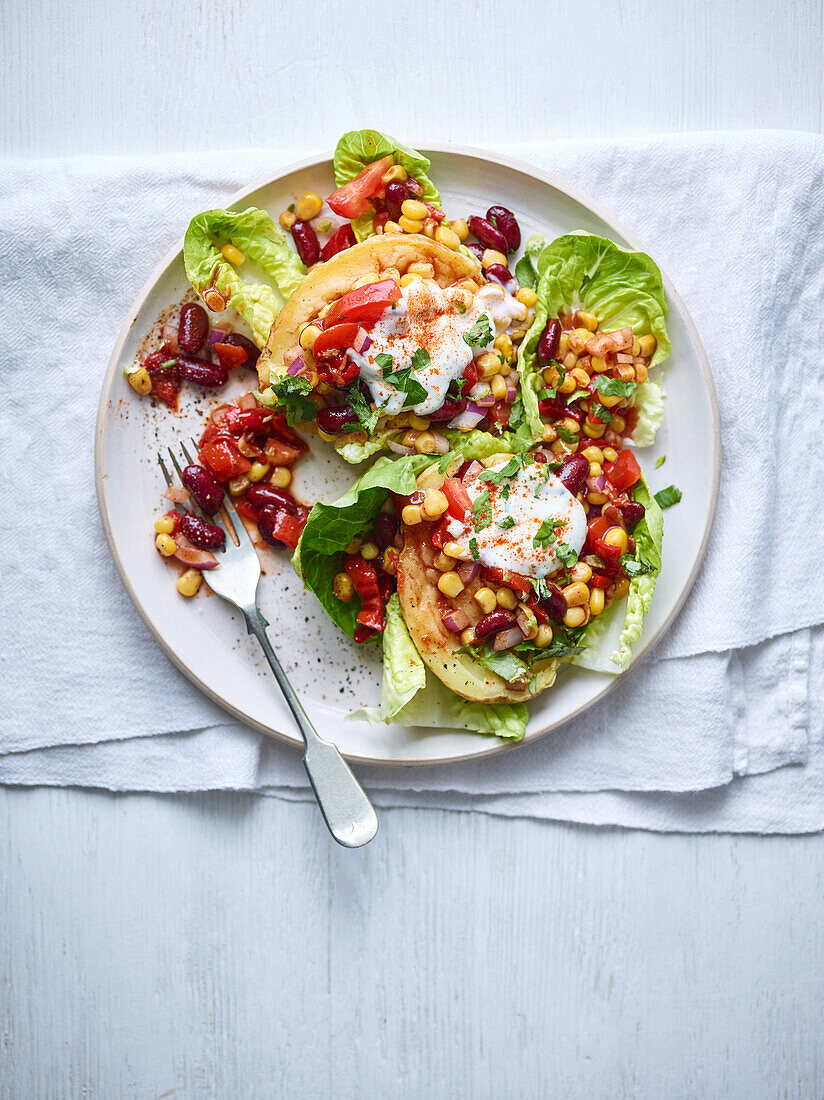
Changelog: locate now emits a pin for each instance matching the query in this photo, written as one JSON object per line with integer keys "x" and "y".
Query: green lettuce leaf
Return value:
{"x": 609, "y": 641}
{"x": 412, "y": 696}
{"x": 526, "y": 269}
{"x": 254, "y": 232}
{"x": 357, "y": 148}
{"x": 471, "y": 445}
{"x": 648, "y": 399}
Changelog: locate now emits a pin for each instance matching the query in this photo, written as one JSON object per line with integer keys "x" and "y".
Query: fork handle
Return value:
{"x": 348, "y": 813}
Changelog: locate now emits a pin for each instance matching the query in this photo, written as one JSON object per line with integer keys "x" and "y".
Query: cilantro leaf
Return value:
{"x": 384, "y": 360}
{"x": 613, "y": 387}
{"x": 566, "y": 555}
{"x": 635, "y": 568}
{"x": 482, "y": 511}
{"x": 480, "y": 334}
{"x": 473, "y": 549}
{"x": 421, "y": 359}
{"x": 510, "y": 469}
{"x": 403, "y": 381}
{"x": 541, "y": 588}
{"x": 507, "y": 489}
{"x": 545, "y": 535}
{"x": 659, "y": 462}
{"x": 600, "y": 413}
{"x": 669, "y": 496}
{"x": 367, "y": 416}
{"x": 291, "y": 393}
{"x": 504, "y": 663}
{"x": 506, "y": 523}
{"x": 567, "y": 434}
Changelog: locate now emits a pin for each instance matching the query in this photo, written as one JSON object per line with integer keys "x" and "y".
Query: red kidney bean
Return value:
{"x": 493, "y": 622}
{"x": 203, "y": 487}
{"x": 200, "y": 371}
{"x": 573, "y": 472}
{"x": 384, "y": 530}
{"x": 208, "y": 536}
{"x": 238, "y": 340}
{"x": 396, "y": 195}
{"x": 498, "y": 273}
{"x": 193, "y": 328}
{"x": 505, "y": 221}
{"x": 487, "y": 234}
{"x": 548, "y": 344}
{"x": 452, "y": 407}
{"x": 269, "y": 496}
{"x": 267, "y": 517}
{"x": 554, "y": 604}
{"x": 337, "y": 420}
{"x": 632, "y": 513}
{"x": 306, "y": 242}
{"x": 477, "y": 250}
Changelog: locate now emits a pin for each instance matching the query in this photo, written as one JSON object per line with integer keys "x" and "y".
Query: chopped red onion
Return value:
{"x": 440, "y": 444}
{"x": 191, "y": 555}
{"x": 216, "y": 336}
{"x": 506, "y": 639}
{"x": 469, "y": 571}
{"x": 455, "y": 620}
{"x": 479, "y": 391}
{"x": 469, "y": 418}
{"x": 362, "y": 341}
{"x": 527, "y": 623}
{"x": 247, "y": 401}
{"x": 511, "y": 392}
{"x": 219, "y": 412}
{"x": 296, "y": 366}
{"x": 399, "y": 448}
{"x": 177, "y": 494}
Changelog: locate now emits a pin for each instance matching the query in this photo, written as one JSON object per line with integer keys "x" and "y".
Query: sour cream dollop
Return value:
{"x": 535, "y": 497}
{"x": 427, "y": 317}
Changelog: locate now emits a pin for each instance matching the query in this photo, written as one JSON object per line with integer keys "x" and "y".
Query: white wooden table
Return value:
{"x": 219, "y": 945}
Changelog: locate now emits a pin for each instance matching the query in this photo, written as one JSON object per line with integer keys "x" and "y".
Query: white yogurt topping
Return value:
{"x": 533, "y": 499}
{"x": 425, "y": 317}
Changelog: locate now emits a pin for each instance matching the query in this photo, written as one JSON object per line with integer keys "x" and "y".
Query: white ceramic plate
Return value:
{"x": 207, "y": 639}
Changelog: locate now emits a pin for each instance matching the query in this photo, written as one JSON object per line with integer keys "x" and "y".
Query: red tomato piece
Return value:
{"x": 624, "y": 472}
{"x": 609, "y": 555}
{"x": 597, "y": 581}
{"x": 247, "y": 510}
{"x": 365, "y": 580}
{"x": 352, "y": 200}
{"x": 499, "y": 414}
{"x": 365, "y": 304}
{"x": 279, "y": 453}
{"x": 336, "y": 338}
{"x": 459, "y": 504}
{"x": 238, "y": 421}
{"x": 341, "y": 239}
{"x": 595, "y": 530}
{"x": 287, "y": 529}
{"x": 223, "y": 459}
{"x": 511, "y": 580}
{"x": 174, "y": 516}
{"x": 471, "y": 376}
{"x": 166, "y": 389}
{"x": 440, "y": 535}
{"x": 230, "y": 355}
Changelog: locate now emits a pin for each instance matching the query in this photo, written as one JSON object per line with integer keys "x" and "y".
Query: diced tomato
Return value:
{"x": 174, "y": 516}
{"x": 386, "y": 586}
{"x": 342, "y": 238}
{"x": 459, "y": 504}
{"x": 499, "y": 414}
{"x": 286, "y": 528}
{"x": 279, "y": 453}
{"x": 229, "y": 355}
{"x": 609, "y": 555}
{"x": 352, "y": 199}
{"x": 597, "y": 581}
{"x": 511, "y": 580}
{"x": 624, "y": 472}
{"x": 365, "y": 580}
{"x": 223, "y": 459}
{"x": 440, "y": 535}
{"x": 434, "y": 212}
{"x": 167, "y": 389}
{"x": 471, "y": 376}
{"x": 336, "y": 370}
{"x": 554, "y": 409}
{"x": 595, "y": 530}
{"x": 238, "y": 421}
{"x": 379, "y": 221}
{"x": 247, "y": 510}
{"x": 365, "y": 304}
{"x": 336, "y": 338}
{"x": 279, "y": 429}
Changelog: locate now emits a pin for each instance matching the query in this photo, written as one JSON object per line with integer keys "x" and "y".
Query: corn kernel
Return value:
{"x": 140, "y": 381}
{"x": 444, "y": 563}
{"x": 505, "y": 370}
{"x": 598, "y": 364}
{"x": 626, "y": 372}
{"x": 636, "y": 346}
{"x": 165, "y": 525}
{"x": 425, "y": 270}
{"x": 593, "y": 454}
{"x": 189, "y": 582}
{"x": 287, "y": 219}
{"x": 411, "y": 515}
{"x": 468, "y": 636}
{"x": 576, "y": 341}
{"x": 571, "y": 425}
{"x": 434, "y": 504}
{"x": 492, "y": 256}
{"x": 576, "y": 616}
{"x": 617, "y": 537}
{"x": 234, "y": 256}
{"x": 418, "y": 422}
{"x": 353, "y": 546}
{"x": 326, "y": 437}
{"x": 595, "y": 469}
{"x": 431, "y": 478}
{"x": 447, "y": 237}
{"x": 369, "y": 551}
{"x": 488, "y": 364}
{"x": 281, "y": 477}
{"x": 391, "y": 227}
{"x": 366, "y": 280}
{"x": 504, "y": 345}
{"x": 410, "y": 225}
{"x": 409, "y": 439}
{"x": 618, "y": 424}
{"x": 166, "y": 545}
{"x": 460, "y": 228}
{"x": 506, "y": 598}
{"x": 581, "y": 572}
{"x": 450, "y": 584}
{"x": 257, "y": 471}
{"x": 407, "y": 279}
{"x": 596, "y": 602}
{"x": 549, "y": 434}
{"x": 239, "y": 485}
{"x": 641, "y": 373}
{"x": 414, "y": 209}
{"x": 308, "y": 206}
{"x": 498, "y": 387}
{"x": 559, "y": 447}
{"x": 485, "y": 599}
{"x": 544, "y": 636}
{"x": 342, "y": 587}
{"x": 453, "y": 549}
{"x": 517, "y": 335}
{"x": 425, "y": 444}
{"x": 551, "y": 377}
{"x": 593, "y": 431}
{"x": 526, "y": 296}
{"x": 563, "y": 345}
{"x": 647, "y": 345}
{"x": 610, "y": 454}
{"x": 390, "y": 560}
{"x": 396, "y": 174}
{"x": 568, "y": 385}
{"x": 576, "y": 594}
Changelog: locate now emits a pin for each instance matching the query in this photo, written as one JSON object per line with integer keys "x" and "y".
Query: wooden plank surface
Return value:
{"x": 219, "y": 945}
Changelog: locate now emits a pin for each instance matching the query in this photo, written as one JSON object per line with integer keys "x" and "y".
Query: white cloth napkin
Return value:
{"x": 734, "y": 219}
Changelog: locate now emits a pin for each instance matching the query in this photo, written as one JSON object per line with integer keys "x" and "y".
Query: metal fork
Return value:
{"x": 347, "y": 811}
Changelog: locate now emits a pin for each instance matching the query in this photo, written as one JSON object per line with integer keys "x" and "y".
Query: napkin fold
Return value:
{"x": 735, "y": 220}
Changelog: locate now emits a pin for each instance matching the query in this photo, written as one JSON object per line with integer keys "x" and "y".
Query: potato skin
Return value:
{"x": 466, "y": 677}
{"x": 331, "y": 280}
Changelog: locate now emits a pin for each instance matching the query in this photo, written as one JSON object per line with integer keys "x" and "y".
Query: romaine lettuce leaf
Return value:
{"x": 357, "y": 148}
{"x": 648, "y": 399}
{"x": 608, "y": 640}
{"x": 526, "y": 269}
{"x": 412, "y": 696}
{"x": 254, "y": 232}
{"x": 471, "y": 445}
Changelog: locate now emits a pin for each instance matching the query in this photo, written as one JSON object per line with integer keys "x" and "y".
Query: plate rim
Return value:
{"x": 524, "y": 169}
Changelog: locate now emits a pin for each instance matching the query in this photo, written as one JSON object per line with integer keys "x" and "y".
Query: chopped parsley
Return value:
{"x": 510, "y": 469}
{"x": 402, "y": 379}
{"x": 507, "y": 489}
{"x": 601, "y": 413}
{"x": 482, "y": 511}
{"x": 566, "y": 555}
{"x": 669, "y": 496}
{"x": 291, "y": 394}
{"x": 567, "y": 434}
{"x": 659, "y": 462}
{"x": 613, "y": 387}
{"x": 421, "y": 359}
{"x": 546, "y": 533}
{"x": 516, "y": 413}
{"x": 367, "y": 416}
{"x": 480, "y": 334}
{"x": 384, "y": 360}
{"x": 635, "y": 568}
{"x": 506, "y": 523}
{"x": 473, "y": 549}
